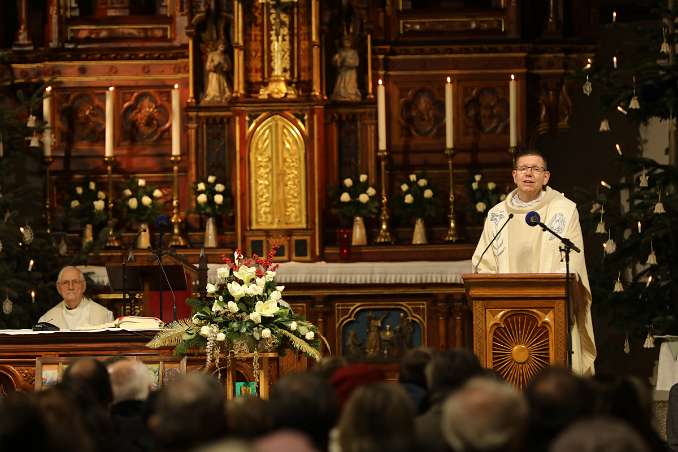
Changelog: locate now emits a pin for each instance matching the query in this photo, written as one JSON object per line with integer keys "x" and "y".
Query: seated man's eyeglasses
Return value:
{"x": 70, "y": 282}
{"x": 534, "y": 169}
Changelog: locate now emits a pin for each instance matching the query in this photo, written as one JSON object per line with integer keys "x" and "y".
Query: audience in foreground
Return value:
{"x": 444, "y": 401}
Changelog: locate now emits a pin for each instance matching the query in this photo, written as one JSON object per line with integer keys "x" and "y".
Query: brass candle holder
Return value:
{"x": 452, "y": 229}
{"x": 384, "y": 228}
{"x": 177, "y": 240}
{"x": 112, "y": 240}
{"x": 48, "y": 159}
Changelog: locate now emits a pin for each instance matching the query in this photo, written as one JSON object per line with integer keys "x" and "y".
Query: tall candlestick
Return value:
{"x": 449, "y": 132}
{"x": 513, "y": 113}
{"x": 108, "y": 150}
{"x": 176, "y": 122}
{"x": 381, "y": 115}
{"x": 47, "y": 118}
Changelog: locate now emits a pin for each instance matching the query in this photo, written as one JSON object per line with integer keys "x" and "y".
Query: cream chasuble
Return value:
{"x": 87, "y": 315}
{"x": 521, "y": 248}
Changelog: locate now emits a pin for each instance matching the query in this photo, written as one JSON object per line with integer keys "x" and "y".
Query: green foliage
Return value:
{"x": 141, "y": 202}
{"x": 86, "y": 204}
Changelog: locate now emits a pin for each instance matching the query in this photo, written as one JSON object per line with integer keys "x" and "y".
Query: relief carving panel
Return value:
{"x": 145, "y": 117}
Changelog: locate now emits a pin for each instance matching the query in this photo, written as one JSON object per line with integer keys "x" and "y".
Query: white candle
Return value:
{"x": 176, "y": 122}
{"x": 381, "y": 115}
{"x": 110, "y": 95}
{"x": 449, "y": 122}
{"x": 47, "y": 117}
{"x": 513, "y": 112}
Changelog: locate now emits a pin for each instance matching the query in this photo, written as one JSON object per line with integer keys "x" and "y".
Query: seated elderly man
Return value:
{"x": 75, "y": 311}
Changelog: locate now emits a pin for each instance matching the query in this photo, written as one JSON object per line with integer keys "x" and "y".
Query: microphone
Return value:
{"x": 475, "y": 270}
{"x": 532, "y": 218}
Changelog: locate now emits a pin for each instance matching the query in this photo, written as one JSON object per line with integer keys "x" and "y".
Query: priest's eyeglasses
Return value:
{"x": 71, "y": 282}
{"x": 534, "y": 169}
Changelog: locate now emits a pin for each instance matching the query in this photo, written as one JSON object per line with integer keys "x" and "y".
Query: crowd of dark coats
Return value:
{"x": 443, "y": 401}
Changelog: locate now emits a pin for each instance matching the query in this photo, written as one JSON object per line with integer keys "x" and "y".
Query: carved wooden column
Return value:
{"x": 22, "y": 40}
{"x": 315, "y": 52}
{"x": 54, "y": 25}
{"x": 554, "y": 22}
{"x": 459, "y": 311}
{"x": 238, "y": 49}
{"x": 319, "y": 313}
{"x": 442, "y": 313}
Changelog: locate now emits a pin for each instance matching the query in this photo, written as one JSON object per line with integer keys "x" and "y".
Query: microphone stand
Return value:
{"x": 566, "y": 247}
{"x": 158, "y": 253}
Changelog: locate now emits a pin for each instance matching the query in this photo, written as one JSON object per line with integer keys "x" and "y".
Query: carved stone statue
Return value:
{"x": 216, "y": 67}
{"x": 346, "y": 60}
{"x": 373, "y": 346}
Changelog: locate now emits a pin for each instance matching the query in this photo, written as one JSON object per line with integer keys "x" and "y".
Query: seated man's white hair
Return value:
{"x": 130, "y": 380}
{"x": 484, "y": 415}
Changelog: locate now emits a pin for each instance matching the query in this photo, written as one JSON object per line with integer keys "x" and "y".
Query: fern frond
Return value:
{"x": 171, "y": 335}
{"x": 301, "y": 345}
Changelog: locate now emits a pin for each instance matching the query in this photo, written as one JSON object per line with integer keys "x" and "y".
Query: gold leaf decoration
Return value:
{"x": 301, "y": 345}
{"x": 171, "y": 335}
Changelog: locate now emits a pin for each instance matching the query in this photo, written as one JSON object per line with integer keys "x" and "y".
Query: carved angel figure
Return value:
{"x": 217, "y": 66}
{"x": 346, "y": 60}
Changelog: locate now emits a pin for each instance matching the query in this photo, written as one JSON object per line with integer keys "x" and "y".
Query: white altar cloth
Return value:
{"x": 413, "y": 272}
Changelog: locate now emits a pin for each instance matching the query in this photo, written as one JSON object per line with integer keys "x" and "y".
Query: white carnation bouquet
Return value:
{"x": 211, "y": 197}
{"x": 141, "y": 202}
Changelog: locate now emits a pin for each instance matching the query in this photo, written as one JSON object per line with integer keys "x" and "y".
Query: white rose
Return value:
{"x": 477, "y": 177}
{"x": 157, "y": 193}
{"x": 201, "y": 186}
{"x": 127, "y": 192}
{"x": 491, "y": 185}
{"x": 211, "y": 288}
{"x": 211, "y": 179}
{"x": 481, "y": 206}
{"x": 363, "y": 178}
{"x": 428, "y": 193}
{"x": 221, "y": 337}
{"x": 101, "y": 195}
{"x": 363, "y": 198}
{"x": 236, "y": 290}
{"x": 345, "y": 197}
{"x": 223, "y": 272}
{"x": 371, "y": 191}
{"x": 202, "y": 198}
{"x": 348, "y": 182}
{"x": 293, "y": 325}
{"x": 133, "y": 203}
{"x": 146, "y": 200}
{"x": 217, "y": 307}
{"x": 269, "y": 275}
{"x": 255, "y": 317}
{"x": 232, "y": 307}
{"x": 422, "y": 182}
{"x": 98, "y": 205}
{"x": 205, "y": 331}
{"x": 474, "y": 185}
{"x": 265, "y": 333}
{"x": 413, "y": 177}
{"x": 245, "y": 273}
{"x": 92, "y": 185}
{"x": 75, "y": 203}
{"x": 142, "y": 182}
{"x": 404, "y": 187}
{"x": 409, "y": 199}
{"x": 218, "y": 199}
{"x": 78, "y": 190}
{"x": 219, "y": 187}
{"x": 309, "y": 336}
{"x": 267, "y": 308}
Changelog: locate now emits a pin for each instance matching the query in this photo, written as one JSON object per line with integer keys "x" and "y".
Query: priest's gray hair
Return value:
{"x": 61, "y": 272}
{"x": 130, "y": 380}
{"x": 484, "y": 415}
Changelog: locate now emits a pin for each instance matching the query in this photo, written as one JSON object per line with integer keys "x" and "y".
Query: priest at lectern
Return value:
{"x": 511, "y": 244}
{"x": 76, "y": 311}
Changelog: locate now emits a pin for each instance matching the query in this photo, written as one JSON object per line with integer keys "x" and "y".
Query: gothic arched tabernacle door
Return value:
{"x": 277, "y": 176}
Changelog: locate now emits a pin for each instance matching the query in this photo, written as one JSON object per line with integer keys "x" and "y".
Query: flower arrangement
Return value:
{"x": 140, "y": 201}
{"x": 243, "y": 312}
{"x": 416, "y": 199}
{"x": 355, "y": 199}
{"x": 484, "y": 196}
{"x": 86, "y": 204}
{"x": 211, "y": 198}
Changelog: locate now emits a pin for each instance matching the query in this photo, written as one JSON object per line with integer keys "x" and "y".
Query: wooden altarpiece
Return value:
{"x": 520, "y": 324}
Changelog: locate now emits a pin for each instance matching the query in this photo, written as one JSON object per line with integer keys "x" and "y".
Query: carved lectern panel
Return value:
{"x": 277, "y": 175}
{"x": 521, "y": 342}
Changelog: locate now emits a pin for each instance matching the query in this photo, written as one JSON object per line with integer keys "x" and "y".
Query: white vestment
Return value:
{"x": 521, "y": 248}
{"x": 87, "y": 315}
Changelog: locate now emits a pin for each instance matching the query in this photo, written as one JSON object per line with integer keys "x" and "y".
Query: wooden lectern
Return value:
{"x": 520, "y": 324}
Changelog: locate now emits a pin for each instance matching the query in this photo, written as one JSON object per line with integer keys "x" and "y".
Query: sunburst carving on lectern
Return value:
{"x": 520, "y": 348}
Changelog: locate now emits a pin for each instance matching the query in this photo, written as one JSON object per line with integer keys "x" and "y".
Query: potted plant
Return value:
{"x": 355, "y": 200}
{"x": 211, "y": 200}
{"x": 140, "y": 204}
{"x": 416, "y": 202}
{"x": 86, "y": 208}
